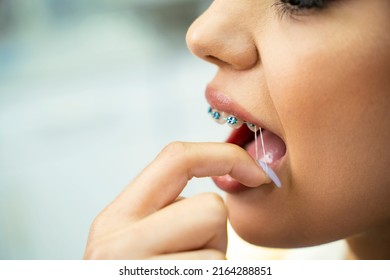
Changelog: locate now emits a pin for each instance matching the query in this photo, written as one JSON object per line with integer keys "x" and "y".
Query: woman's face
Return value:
{"x": 317, "y": 77}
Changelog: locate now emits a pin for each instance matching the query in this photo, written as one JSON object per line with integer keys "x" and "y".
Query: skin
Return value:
{"x": 320, "y": 80}
{"x": 149, "y": 221}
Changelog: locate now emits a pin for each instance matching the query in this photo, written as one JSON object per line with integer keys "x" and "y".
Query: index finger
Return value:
{"x": 161, "y": 182}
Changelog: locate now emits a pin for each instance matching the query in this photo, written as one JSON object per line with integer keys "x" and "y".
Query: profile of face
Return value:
{"x": 314, "y": 75}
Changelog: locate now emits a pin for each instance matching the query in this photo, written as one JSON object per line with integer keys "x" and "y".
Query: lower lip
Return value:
{"x": 229, "y": 185}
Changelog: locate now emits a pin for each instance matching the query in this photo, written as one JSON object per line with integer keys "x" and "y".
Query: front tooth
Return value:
{"x": 252, "y": 127}
{"x": 218, "y": 117}
{"x": 234, "y": 122}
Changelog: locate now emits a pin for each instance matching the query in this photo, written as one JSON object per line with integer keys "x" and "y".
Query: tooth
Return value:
{"x": 252, "y": 127}
{"x": 218, "y": 116}
{"x": 234, "y": 122}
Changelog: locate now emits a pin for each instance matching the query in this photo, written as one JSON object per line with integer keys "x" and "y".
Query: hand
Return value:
{"x": 148, "y": 220}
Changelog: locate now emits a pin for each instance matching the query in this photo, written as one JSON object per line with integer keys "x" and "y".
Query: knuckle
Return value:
{"x": 215, "y": 206}
{"x": 97, "y": 226}
{"x": 174, "y": 149}
{"x": 214, "y": 201}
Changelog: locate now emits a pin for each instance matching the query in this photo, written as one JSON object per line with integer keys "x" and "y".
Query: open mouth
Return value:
{"x": 260, "y": 143}
{"x": 273, "y": 150}
{"x": 264, "y": 146}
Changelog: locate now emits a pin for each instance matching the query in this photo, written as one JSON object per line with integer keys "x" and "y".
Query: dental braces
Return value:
{"x": 236, "y": 123}
{"x": 232, "y": 121}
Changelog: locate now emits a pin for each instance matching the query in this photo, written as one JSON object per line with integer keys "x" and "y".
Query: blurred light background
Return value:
{"x": 90, "y": 91}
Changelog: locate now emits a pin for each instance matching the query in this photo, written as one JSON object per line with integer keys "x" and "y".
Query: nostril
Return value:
{"x": 215, "y": 60}
{"x": 211, "y": 57}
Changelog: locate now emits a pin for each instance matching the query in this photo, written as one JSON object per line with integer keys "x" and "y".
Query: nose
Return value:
{"x": 221, "y": 36}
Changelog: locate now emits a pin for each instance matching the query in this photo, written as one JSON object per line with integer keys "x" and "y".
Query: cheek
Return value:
{"x": 333, "y": 103}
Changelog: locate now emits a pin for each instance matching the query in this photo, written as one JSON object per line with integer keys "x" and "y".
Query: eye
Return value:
{"x": 299, "y": 7}
{"x": 304, "y": 4}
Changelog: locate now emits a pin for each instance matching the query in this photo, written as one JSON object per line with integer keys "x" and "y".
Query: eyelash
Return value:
{"x": 297, "y": 7}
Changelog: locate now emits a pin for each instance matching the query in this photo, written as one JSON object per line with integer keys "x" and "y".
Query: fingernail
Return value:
{"x": 270, "y": 173}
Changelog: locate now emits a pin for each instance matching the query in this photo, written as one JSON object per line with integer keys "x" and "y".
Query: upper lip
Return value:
{"x": 221, "y": 102}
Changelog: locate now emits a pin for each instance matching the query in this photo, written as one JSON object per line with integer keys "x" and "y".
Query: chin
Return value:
{"x": 263, "y": 223}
